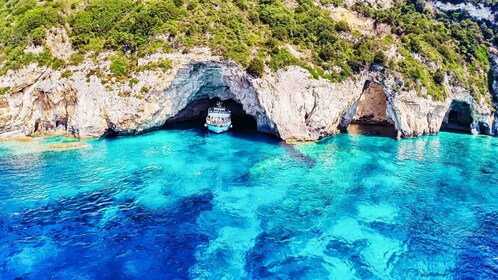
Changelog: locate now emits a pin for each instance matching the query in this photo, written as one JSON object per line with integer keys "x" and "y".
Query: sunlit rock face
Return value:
{"x": 288, "y": 103}
{"x": 415, "y": 115}
{"x": 368, "y": 115}
{"x": 303, "y": 108}
{"x": 493, "y": 79}
{"x": 477, "y": 11}
{"x": 43, "y": 102}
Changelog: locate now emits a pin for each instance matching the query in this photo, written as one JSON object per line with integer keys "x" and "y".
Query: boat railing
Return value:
{"x": 218, "y": 110}
{"x": 219, "y": 121}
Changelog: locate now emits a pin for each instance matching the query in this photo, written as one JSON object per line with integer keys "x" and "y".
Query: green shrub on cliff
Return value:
{"x": 256, "y": 67}
{"x": 4, "y": 90}
{"x": 164, "y": 65}
{"x": 252, "y": 32}
{"x": 281, "y": 59}
{"x": 121, "y": 24}
{"x": 439, "y": 76}
{"x": 119, "y": 66}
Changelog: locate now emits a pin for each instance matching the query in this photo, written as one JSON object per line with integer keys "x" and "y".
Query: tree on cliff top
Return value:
{"x": 239, "y": 29}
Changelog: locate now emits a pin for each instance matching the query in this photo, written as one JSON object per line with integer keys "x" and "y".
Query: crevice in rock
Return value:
{"x": 110, "y": 132}
{"x": 37, "y": 126}
{"x": 315, "y": 105}
{"x": 484, "y": 128}
{"x": 61, "y": 122}
{"x": 43, "y": 126}
{"x": 368, "y": 115}
{"x": 54, "y": 109}
{"x": 458, "y": 118}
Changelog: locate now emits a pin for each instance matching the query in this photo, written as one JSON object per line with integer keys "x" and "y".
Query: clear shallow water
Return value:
{"x": 183, "y": 204}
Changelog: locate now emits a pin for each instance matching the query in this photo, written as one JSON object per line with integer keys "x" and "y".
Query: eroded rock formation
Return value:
{"x": 475, "y": 10}
{"x": 370, "y": 109}
{"x": 303, "y": 108}
{"x": 209, "y": 80}
{"x": 493, "y": 79}
{"x": 288, "y": 103}
{"x": 368, "y": 115}
{"x": 458, "y": 117}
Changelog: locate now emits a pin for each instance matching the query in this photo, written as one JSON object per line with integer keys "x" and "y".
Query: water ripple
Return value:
{"x": 188, "y": 205}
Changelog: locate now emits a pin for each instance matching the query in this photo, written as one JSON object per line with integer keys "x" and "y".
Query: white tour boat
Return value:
{"x": 218, "y": 119}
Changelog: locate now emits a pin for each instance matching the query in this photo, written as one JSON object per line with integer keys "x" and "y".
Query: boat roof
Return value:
{"x": 218, "y": 109}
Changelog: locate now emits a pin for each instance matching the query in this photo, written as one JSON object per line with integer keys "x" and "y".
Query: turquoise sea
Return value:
{"x": 185, "y": 204}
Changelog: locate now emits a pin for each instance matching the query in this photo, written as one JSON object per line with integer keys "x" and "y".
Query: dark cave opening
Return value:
{"x": 195, "y": 113}
{"x": 373, "y": 130}
{"x": 458, "y": 118}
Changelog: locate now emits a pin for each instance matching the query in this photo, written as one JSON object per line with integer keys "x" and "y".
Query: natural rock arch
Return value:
{"x": 196, "y": 112}
{"x": 288, "y": 103}
{"x": 198, "y": 86}
{"x": 458, "y": 117}
{"x": 369, "y": 114}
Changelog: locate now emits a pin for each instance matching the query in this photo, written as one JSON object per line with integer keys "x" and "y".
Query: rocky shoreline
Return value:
{"x": 288, "y": 103}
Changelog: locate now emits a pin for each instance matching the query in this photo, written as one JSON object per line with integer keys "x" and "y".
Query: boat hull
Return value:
{"x": 218, "y": 129}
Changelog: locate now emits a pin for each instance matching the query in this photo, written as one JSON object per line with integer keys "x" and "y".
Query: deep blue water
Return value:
{"x": 184, "y": 204}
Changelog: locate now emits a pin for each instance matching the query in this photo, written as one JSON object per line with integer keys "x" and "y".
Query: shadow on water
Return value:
{"x": 244, "y": 129}
{"x": 387, "y": 131}
{"x": 70, "y": 225}
{"x": 477, "y": 258}
{"x": 241, "y": 130}
{"x": 455, "y": 130}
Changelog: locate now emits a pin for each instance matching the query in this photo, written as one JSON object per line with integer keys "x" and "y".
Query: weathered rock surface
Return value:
{"x": 493, "y": 77}
{"x": 59, "y": 43}
{"x": 302, "y": 108}
{"x": 372, "y": 107}
{"x": 378, "y": 4}
{"x": 477, "y": 11}
{"x": 288, "y": 103}
{"x": 416, "y": 115}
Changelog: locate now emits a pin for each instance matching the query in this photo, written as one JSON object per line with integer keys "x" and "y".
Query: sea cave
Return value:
{"x": 194, "y": 115}
{"x": 458, "y": 118}
{"x": 368, "y": 116}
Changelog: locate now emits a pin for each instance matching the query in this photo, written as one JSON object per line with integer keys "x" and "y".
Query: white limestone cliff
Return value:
{"x": 288, "y": 103}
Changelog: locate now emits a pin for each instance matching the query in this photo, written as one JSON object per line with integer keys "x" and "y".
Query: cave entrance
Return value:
{"x": 195, "y": 113}
{"x": 458, "y": 118}
{"x": 368, "y": 116}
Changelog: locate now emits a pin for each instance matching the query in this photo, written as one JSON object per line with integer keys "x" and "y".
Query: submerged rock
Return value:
{"x": 68, "y": 146}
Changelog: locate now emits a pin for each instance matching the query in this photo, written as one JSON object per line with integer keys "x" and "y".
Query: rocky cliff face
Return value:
{"x": 288, "y": 103}
{"x": 415, "y": 115}
{"x": 303, "y": 108}
{"x": 493, "y": 78}
{"x": 475, "y": 10}
{"x": 377, "y": 4}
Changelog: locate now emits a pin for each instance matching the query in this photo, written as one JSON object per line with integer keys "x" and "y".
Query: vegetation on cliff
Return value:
{"x": 427, "y": 44}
